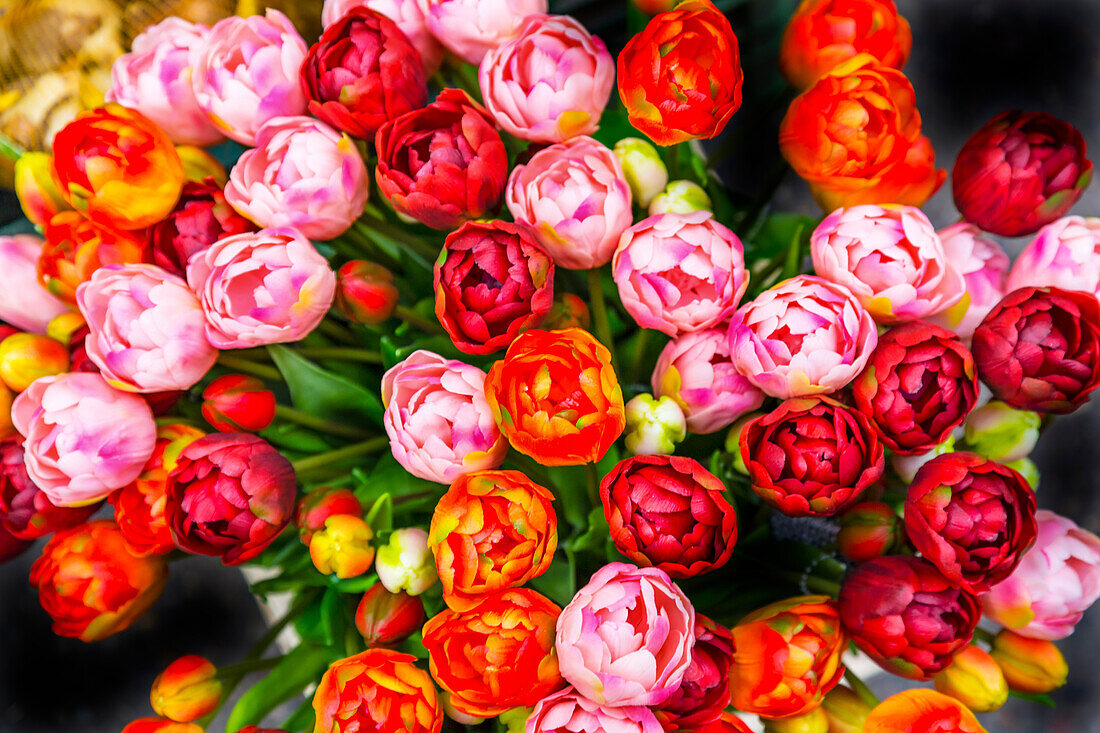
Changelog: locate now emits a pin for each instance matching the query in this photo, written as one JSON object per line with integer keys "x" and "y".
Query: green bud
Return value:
{"x": 645, "y": 172}
{"x": 654, "y": 426}
{"x": 681, "y": 197}
{"x": 1026, "y": 468}
{"x": 733, "y": 441}
{"x": 1002, "y": 433}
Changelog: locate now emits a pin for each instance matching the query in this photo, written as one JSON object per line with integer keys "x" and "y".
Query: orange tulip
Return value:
{"x": 187, "y": 689}
{"x": 921, "y": 709}
{"x": 377, "y": 690}
{"x": 76, "y": 247}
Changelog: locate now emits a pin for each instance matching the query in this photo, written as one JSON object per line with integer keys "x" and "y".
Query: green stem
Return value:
{"x": 860, "y": 688}
{"x": 534, "y": 471}
{"x": 238, "y": 364}
{"x": 399, "y": 235}
{"x": 982, "y": 635}
{"x": 336, "y": 331}
{"x": 636, "y": 359}
{"x": 319, "y": 423}
{"x": 809, "y": 582}
{"x": 340, "y": 352}
{"x": 471, "y": 83}
{"x": 408, "y": 315}
{"x": 599, "y": 310}
{"x": 10, "y": 149}
{"x": 365, "y": 245}
{"x": 247, "y": 667}
{"x": 593, "y": 472}
{"x": 322, "y": 460}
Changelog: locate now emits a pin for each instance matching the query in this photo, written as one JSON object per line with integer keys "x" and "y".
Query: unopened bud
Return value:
{"x": 342, "y": 547}
{"x": 868, "y": 530}
{"x": 654, "y": 426}
{"x": 568, "y": 311}
{"x": 1032, "y": 666}
{"x": 680, "y": 197}
{"x": 645, "y": 172}
{"x": 236, "y": 403}
{"x": 24, "y": 357}
{"x": 733, "y": 441}
{"x": 1002, "y": 433}
{"x": 320, "y": 504}
{"x": 845, "y": 710}
{"x": 365, "y": 292}
{"x": 186, "y": 690}
{"x": 1026, "y": 468}
{"x": 198, "y": 165}
{"x": 62, "y": 328}
{"x": 814, "y": 721}
{"x": 974, "y": 679}
{"x": 36, "y": 189}
{"x": 405, "y": 563}
{"x": 515, "y": 720}
{"x": 906, "y": 467}
{"x": 385, "y": 618}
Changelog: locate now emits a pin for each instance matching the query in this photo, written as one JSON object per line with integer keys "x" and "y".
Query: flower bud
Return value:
{"x": 36, "y": 189}
{"x": 733, "y": 441}
{"x": 814, "y": 721}
{"x": 567, "y": 311}
{"x": 974, "y": 679}
{"x": 906, "y": 467}
{"x": 62, "y": 328}
{"x": 680, "y": 197}
{"x": 198, "y": 165}
{"x": 1002, "y": 433}
{"x": 235, "y": 403}
{"x": 186, "y": 690}
{"x": 365, "y": 292}
{"x": 515, "y": 720}
{"x": 406, "y": 563}
{"x": 24, "y": 357}
{"x": 845, "y": 710}
{"x": 869, "y": 529}
{"x": 320, "y": 504}
{"x": 1032, "y": 666}
{"x": 645, "y": 172}
{"x": 385, "y": 618}
{"x": 1026, "y": 468}
{"x": 654, "y": 426}
{"x": 342, "y": 546}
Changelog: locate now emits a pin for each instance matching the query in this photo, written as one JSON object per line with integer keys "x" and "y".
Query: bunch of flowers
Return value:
{"x": 529, "y": 418}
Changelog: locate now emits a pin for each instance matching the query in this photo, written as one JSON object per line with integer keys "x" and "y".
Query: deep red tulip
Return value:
{"x": 365, "y": 292}
{"x": 867, "y": 530}
{"x": 705, "y": 692}
{"x": 25, "y": 512}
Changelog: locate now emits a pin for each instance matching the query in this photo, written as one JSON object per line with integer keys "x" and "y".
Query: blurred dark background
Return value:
{"x": 970, "y": 61}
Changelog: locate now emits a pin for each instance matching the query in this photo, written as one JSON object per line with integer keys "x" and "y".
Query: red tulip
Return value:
{"x": 365, "y": 292}
{"x": 236, "y": 403}
{"x": 705, "y": 692}
{"x": 385, "y": 618}
{"x": 201, "y": 217}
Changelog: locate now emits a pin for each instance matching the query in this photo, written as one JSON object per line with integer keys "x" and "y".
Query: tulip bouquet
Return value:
{"x": 531, "y": 422}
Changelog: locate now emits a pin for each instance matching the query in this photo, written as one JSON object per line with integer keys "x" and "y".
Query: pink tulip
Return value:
{"x": 248, "y": 73}
{"x": 679, "y": 273}
{"x": 984, "y": 267}
{"x": 24, "y": 303}
{"x": 438, "y": 420}
{"x": 302, "y": 174}
{"x": 696, "y": 371}
{"x": 890, "y": 257}
{"x": 84, "y": 438}
{"x": 1054, "y": 584}
{"x": 147, "y": 332}
{"x": 626, "y": 637}
{"x": 575, "y": 198}
{"x": 258, "y": 288}
{"x": 155, "y": 79}
{"x": 567, "y": 711}
{"x": 407, "y": 14}
{"x": 471, "y": 28}
{"x": 549, "y": 83}
{"x": 805, "y": 336}
{"x": 1064, "y": 254}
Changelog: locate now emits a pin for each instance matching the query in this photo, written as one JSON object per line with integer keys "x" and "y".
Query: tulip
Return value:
{"x": 24, "y": 357}
{"x": 498, "y": 656}
{"x": 868, "y": 530}
{"x": 442, "y": 164}
{"x": 680, "y": 78}
{"x": 575, "y": 198}
{"x": 556, "y": 397}
{"x": 90, "y": 584}
{"x": 76, "y": 247}
{"x": 824, "y": 33}
{"x": 230, "y": 495}
{"x": 492, "y": 281}
{"x": 568, "y": 711}
{"x": 786, "y": 657}
{"x": 681, "y": 197}
{"x": 855, "y": 137}
{"x": 815, "y": 721}
{"x": 84, "y": 438}
{"x": 705, "y": 692}
{"x": 906, "y": 467}
{"x": 655, "y": 625}
{"x": 318, "y": 505}
{"x": 918, "y": 386}
{"x": 924, "y": 710}
{"x": 984, "y": 267}
{"x": 454, "y": 713}
{"x": 409, "y": 15}
{"x": 1021, "y": 170}
{"x": 548, "y": 83}
{"x": 1001, "y": 433}
{"x": 61, "y": 328}
{"x": 438, "y": 418}
{"x": 186, "y": 690}
{"x": 890, "y": 257}
{"x": 835, "y": 338}
{"x": 491, "y": 530}
{"x": 386, "y": 619}
{"x": 670, "y": 513}
{"x": 811, "y": 456}
{"x": 567, "y": 311}
{"x": 471, "y": 28}
{"x": 24, "y": 303}
{"x": 680, "y": 273}
{"x": 1031, "y": 666}
{"x": 845, "y": 710}
{"x": 1026, "y": 468}
{"x": 906, "y": 616}
{"x": 643, "y": 169}
{"x": 974, "y": 679}
{"x": 199, "y": 164}
{"x": 36, "y": 189}
{"x": 378, "y": 689}
{"x": 1055, "y": 583}
{"x": 1064, "y": 254}
{"x": 201, "y": 217}
{"x": 247, "y": 73}
{"x": 365, "y": 292}
{"x": 653, "y": 427}
{"x": 362, "y": 72}
{"x": 235, "y": 403}
{"x": 164, "y": 725}
{"x": 1039, "y": 349}
{"x": 260, "y": 288}
{"x": 155, "y": 79}
{"x": 26, "y": 513}
{"x": 405, "y": 563}
{"x": 342, "y": 547}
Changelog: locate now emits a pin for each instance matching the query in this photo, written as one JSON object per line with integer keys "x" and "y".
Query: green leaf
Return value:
{"x": 380, "y": 516}
{"x": 295, "y": 438}
{"x": 322, "y": 393}
{"x": 390, "y": 477}
{"x": 595, "y": 536}
{"x": 557, "y": 582}
{"x": 301, "y": 667}
{"x": 358, "y": 584}
{"x": 1042, "y": 699}
{"x": 332, "y": 616}
{"x": 301, "y": 719}
{"x": 777, "y": 234}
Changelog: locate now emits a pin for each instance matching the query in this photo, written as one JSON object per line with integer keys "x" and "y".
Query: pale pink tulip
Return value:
{"x": 302, "y": 174}
{"x": 575, "y": 198}
{"x": 24, "y": 303}
{"x": 567, "y": 711}
{"x": 247, "y": 73}
{"x": 407, "y": 14}
{"x": 1064, "y": 254}
{"x": 805, "y": 336}
{"x": 470, "y": 28}
{"x": 626, "y": 637}
{"x": 438, "y": 419}
{"x": 984, "y": 267}
{"x": 890, "y": 258}
{"x": 84, "y": 438}
{"x": 679, "y": 273}
{"x": 258, "y": 288}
